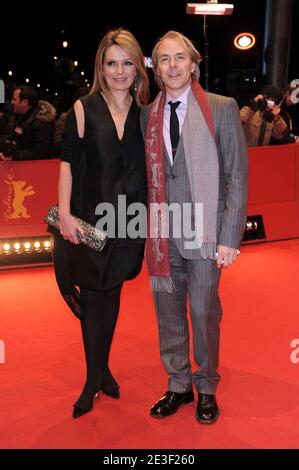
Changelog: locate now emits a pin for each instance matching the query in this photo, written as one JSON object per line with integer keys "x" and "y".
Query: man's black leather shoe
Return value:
{"x": 207, "y": 410}
{"x": 169, "y": 403}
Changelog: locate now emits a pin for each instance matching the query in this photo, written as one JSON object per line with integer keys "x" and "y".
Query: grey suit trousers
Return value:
{"x": 198, "y": 279}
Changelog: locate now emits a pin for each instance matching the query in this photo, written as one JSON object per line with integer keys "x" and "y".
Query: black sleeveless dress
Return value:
{"x": 103, "y": 167}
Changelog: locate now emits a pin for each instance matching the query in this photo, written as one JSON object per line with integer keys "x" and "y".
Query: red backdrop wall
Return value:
{"x": 28, "y": 189}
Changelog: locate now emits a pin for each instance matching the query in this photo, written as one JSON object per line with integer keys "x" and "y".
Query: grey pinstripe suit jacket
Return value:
{"x": 232, "y": 155}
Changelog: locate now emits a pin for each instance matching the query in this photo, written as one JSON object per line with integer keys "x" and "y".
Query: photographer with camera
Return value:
{"x": 262, "y": 120}
{"x": 27, "y": 134}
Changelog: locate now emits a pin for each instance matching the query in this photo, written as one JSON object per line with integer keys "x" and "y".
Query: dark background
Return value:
{"x": 32, "y": 34}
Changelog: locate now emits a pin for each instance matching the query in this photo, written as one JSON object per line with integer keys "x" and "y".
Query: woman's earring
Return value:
{"x": 135, "y": 85}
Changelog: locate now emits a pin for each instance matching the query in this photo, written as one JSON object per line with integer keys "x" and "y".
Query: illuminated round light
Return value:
{"x": 244, "y": 41}
{"x": 27, "y": 246}
{"x": 10, "y": 73}
{"x": 27, "y": 80}
{"x": 47, "y": 244}
{"x": 6, "y": 247}
{"x": 76, "y": 63}
{"x": 64, "y": 44}
{"x": 37, "y": 245}
{"x": 17, "y": 246}
{"x": 82, "y": 73}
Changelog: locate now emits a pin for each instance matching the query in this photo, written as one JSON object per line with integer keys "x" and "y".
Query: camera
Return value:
{"x": 264, "y": 106}
{"x": 258, "y": 105}
{"x": 9, "y": 144}
{"x": 292, "y": 137}
{"x": 8, "y": 147}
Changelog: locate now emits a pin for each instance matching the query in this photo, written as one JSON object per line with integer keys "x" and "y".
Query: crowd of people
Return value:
{"x": 31, "y": 129}
{"x": 27, "y": 127}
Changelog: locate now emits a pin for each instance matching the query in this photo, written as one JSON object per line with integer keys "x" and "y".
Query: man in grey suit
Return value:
{"x": 196, "y": 158}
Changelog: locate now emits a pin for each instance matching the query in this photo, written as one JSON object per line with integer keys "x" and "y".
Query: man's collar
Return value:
{"x": 183, "y": 98}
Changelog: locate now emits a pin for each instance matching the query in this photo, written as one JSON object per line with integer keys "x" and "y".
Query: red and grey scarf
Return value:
{"x": 202, "y": 165}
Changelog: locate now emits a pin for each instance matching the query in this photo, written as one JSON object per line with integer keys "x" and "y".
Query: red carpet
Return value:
{"x": 44, "y": 369}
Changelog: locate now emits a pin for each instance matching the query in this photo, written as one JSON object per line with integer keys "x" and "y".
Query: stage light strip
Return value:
{"x": 25, "y": 245}
{"x": 209, "y": 8}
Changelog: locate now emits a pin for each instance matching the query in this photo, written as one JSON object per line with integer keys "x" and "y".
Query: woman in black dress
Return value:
{"x": 102, "y": 158}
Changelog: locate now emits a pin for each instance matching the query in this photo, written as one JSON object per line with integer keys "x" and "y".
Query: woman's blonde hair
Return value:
{"x": 124, "y": 39}
{"x": 195, "y": 56}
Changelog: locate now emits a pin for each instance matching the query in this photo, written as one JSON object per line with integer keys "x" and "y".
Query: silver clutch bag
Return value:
{"x": 93, "y": 237}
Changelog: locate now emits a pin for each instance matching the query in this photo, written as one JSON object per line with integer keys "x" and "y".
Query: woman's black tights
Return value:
{"x": 99, "y": 316}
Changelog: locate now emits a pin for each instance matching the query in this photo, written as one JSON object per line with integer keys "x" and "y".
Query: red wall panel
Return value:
{"x": 28, "y": 189}
{"x": 274, "y": 189}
